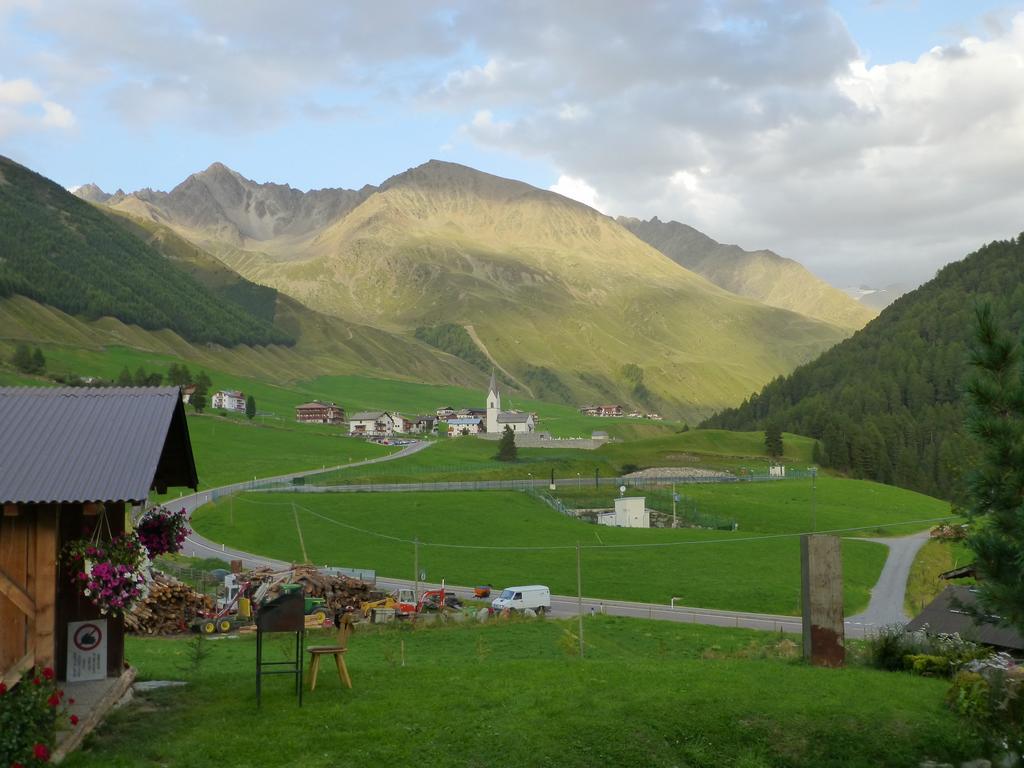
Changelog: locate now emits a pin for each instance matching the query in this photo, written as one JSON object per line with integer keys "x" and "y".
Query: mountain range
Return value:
{"x": 564, "y": 300}
{"x": 761, "y": 275}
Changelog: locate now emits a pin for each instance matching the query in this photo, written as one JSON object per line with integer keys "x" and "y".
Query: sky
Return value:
{"x": 871, "y": 140}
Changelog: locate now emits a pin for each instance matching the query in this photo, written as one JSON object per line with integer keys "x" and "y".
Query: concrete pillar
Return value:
{"x": 822, "y": 600}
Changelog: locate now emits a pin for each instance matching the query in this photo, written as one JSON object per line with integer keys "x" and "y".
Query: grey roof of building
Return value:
{"x": 316, "y": 404}
{"x": 73, "y": 444}
{"x": 507, "y": 417}
{"x": 947, "y": 614}
{"x": 366, "y": 415}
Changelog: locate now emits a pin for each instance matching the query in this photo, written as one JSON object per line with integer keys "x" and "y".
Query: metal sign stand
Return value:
{"x": 282, "y": 614}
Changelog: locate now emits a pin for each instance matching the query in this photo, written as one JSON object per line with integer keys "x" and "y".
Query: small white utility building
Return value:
{"x": 629, "y": 512}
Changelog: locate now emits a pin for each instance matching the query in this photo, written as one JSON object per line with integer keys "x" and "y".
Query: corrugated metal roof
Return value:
{"x": 948, "y": 613}
{"x": 73, "y": 444}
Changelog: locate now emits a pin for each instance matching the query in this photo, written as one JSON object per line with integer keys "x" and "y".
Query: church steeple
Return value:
{"x": 493, "y": 404}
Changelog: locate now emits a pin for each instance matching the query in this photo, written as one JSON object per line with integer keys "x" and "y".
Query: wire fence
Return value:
{"x": 308, "y": 484}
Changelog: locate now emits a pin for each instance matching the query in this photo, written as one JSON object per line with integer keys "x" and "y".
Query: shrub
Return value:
{"x": 28, "y": 718}
{"x": 989, "y": 694}
{"x": 894, "y": 649}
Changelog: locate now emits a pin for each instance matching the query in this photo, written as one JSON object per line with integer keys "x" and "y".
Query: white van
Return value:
{"x": 536, "y": 597}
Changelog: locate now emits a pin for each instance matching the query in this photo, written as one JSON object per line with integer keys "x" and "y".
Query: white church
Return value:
{"x": 498, "y": 419}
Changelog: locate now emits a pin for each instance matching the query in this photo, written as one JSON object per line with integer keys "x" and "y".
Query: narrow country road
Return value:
{"x": 886, "y": 606}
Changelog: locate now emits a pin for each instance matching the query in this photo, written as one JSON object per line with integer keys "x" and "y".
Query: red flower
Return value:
{"x": 36, "y": 680}
{"x": 54, "y": 700}
{"x": 41, "y": 752}
{"x": 3, "y": 688}
{"x": 71, "y": 701}
{"x": 17, "y": 765}
{"x": 74, "y": 719}
{"x": 48, "y": 673}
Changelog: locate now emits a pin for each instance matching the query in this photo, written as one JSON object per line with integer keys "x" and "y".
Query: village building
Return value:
{"x": 601, "y": 410}
{"x": 186, "y": 393}
{"x": 229, "y": 400}
{"x": 317, "y": 412}
{"x": 445, "y": 412}
{"x": 497, "y": 419}
{"x": 73, "y": 460}
{"x": 371, "y": 424}
{"x": 424, "y": 425}
{"x": 465, "y": 425}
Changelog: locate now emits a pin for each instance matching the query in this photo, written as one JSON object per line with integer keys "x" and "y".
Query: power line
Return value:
{"x": 509, "y": 548}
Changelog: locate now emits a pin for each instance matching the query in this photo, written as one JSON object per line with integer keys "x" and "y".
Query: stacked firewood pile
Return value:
{"x": 340, "y": 592}
{"x": 170, "y": 606}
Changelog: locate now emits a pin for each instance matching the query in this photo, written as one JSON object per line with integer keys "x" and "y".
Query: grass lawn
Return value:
{"x": 354, "y": 530}
{"x": 511, "y": 694}
{"x": 935, "y": 557}
{"x": 232, "y": 449}
{"x": 784, "y": 506}
{"x": 466, "y": 458}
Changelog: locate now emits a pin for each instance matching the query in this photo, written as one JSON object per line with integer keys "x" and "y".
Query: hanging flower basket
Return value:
{"x": 163, "y": 532}
{"x": 109, "y": 574}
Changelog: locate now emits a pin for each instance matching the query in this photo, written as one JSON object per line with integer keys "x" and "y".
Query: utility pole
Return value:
{"x": 416, "y": 567}
{"x": 597, "y": 474}
{"x": 579, "y": 592}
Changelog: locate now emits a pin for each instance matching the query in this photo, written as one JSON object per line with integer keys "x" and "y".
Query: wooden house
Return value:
{"x": 318, "y": 412}
{"x": 69, "y": 459}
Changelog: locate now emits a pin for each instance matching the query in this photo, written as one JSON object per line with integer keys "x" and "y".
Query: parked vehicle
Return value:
{"x": 535, "y": 597}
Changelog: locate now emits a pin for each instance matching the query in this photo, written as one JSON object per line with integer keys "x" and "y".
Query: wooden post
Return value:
{"x": 45, "y": 584}
{"x": 822, "y": 600}
{"x": 579, "y": 592}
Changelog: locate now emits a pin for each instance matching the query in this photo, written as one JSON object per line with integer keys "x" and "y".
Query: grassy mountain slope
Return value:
{"x": 559, "y": 294}
{"x": 887, "y": 403}
{"x": 62, "y": 251}
{"x": 762, "y": 275}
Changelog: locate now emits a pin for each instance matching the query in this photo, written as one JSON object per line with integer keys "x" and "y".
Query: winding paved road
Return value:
{"x": 885, "y": 607}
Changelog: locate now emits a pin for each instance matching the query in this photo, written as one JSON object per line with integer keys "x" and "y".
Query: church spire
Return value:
{"x": 493, "y": 387}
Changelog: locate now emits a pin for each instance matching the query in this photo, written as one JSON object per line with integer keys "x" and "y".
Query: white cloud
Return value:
{"x": 24, "y": 108}
{"x": 766, "y": 129}
{"x": 578, "y": 190}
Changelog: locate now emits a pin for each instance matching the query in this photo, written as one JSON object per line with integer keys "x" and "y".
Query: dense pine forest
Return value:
{"x": 887, "y": 404}
{"x": 62, "y": 251}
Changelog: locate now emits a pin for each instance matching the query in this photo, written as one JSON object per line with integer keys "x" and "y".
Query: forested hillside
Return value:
{"x": 887, "y": 403}
{"x": 61, "y": 251}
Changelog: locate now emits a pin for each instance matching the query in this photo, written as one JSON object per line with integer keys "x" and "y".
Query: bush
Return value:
{"x": 989, "y": 694}
{"x": 938, "y": 655}
{"x": 28, "y": 718}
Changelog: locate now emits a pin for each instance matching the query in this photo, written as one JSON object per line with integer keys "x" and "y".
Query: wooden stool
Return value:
{"x": 345, "y": 628}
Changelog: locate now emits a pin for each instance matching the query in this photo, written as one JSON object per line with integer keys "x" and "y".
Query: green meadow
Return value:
{"x": 507, "y": 537}
{"x": 648, "y": 694}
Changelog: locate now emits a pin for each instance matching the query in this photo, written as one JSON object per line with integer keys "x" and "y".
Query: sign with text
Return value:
{"x": 87, "y": 650}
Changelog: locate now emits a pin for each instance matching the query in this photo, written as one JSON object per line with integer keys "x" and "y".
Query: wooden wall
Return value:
{"x": 71, "y": 606}
{"x": 37, "y": 599}
{"x": 28, "y": 571}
